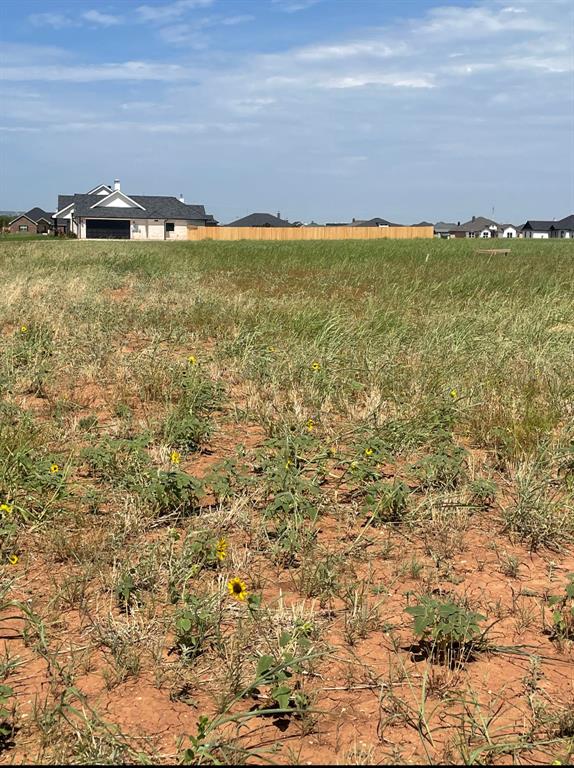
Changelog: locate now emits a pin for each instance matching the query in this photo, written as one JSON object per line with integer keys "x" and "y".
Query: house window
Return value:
{"x": 472, "y": 234}
{"x": 170, "y": 226}
{"x": 23, "y": 228}
{"x": 509, "y": 234}
{"x": 486, "y": 234}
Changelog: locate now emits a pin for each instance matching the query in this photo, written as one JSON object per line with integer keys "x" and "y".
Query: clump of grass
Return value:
{"x": 539, "y": 515}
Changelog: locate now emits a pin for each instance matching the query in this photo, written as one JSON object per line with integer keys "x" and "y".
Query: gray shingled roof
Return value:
{"x": 375, "y": 222}
{"x": 566, "y": 223}
{"x": 153, "y": 207}
{"x": 539, "y": 226}
{"x": 445, "y": 226}
{"x": 479, "y": 223}
{"x": 64, "y": 201}
{"x": 38, "y": 213}
{"x": 260, "y": 220}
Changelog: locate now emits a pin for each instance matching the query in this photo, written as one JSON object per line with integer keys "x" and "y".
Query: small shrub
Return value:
{"x": 172, "y": 492}
{"x": 448, "y": 632}
{"x": 197, "y": 625}
{"x": 386, "y": 502}
{"x": 482, "y": 491}
{"x": 185, "y": 431}
{"x": 442, "y": 470}
{"x": 563, "y": 613}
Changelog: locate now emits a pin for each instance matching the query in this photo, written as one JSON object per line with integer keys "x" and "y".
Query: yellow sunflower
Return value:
{"x": 175, "y": 457}
{"x": 24, "y": 329}
{"x": 54, "y": 468}
{"x": 6, "y": 509}
{"x": 310, "y": 425}
{"x": 315, "y": 366}
{"x": 453, "y": 394}
{"x": 237, "y": 589}
{"x": 368, "y": 451}
{"x": 192, "y": 360}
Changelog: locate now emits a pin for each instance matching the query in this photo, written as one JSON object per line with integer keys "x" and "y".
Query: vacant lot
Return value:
{"x": 291, "y": 503}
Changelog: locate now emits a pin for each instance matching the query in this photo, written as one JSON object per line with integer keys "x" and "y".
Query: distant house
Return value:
{"x": 478, "y": 226}
{"x": 423, "y": 224}
{"x": 537, "y": 229}
{"x": 563, "y": 228}
{"x": 106, "y": 213}
{"x": 508, "y": 230}
{"x": 376, "y": 222}
{"x": 36, "y": 221}
{"x": 443, "y": 229}
{"x": 260, "y": 220}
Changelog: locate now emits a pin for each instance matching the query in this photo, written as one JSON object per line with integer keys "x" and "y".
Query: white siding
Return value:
{"x": 155, "y": 229}
{"x": 138, "y": 230}
{"x": 179, "y": 232}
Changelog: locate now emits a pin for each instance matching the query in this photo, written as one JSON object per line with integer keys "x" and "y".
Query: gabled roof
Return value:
{"x": 445, "y": 226}
{"x": 566, "y": 223}
{"x": 98, "y": 189}
{"x": 102, "y": 201}
{"x": 39, "y": 213}
{"x": 477, "y": 224}
{"x": 375, "y": 222}
{"x": 21, "y": 216}
{"x": 260, "y": 220}
{"x": 539, "y": 226}
{"x": 34, "y": 215}
{"x": 423, "y": 224}
{"x": 152, "y": 207}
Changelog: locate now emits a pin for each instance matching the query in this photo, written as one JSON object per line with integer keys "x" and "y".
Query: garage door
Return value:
{"x": 108, "y": 228}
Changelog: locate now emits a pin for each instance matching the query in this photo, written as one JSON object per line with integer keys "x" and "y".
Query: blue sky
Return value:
{"x": 319, "y": 109}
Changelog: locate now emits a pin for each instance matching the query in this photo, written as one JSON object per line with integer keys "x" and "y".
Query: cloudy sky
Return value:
{"x": 319, "y": 109}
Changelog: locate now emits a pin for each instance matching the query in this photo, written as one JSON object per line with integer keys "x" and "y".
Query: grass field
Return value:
{"x": 287, "y": 502}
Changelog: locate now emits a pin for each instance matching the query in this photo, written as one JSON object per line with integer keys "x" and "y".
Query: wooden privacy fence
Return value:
{"x": 308, "y": 233}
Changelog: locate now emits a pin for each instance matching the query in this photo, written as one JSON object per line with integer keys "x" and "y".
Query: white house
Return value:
{"x": 507, "y": 230}
{"x": 564, "y": 228}
{"x": 104, "y": 212}
{"x": 539, "y": 230}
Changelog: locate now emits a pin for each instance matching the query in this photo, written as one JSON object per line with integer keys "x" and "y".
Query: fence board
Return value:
{"x": 308, "y": 233}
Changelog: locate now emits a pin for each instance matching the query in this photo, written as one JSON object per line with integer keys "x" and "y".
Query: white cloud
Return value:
{"x": 59, "y": 21}
{"x": 22, "y": 53}
{"x": 231, "y": 21}
{"x": 53, "y": 20}
{"x": 375, "y": 48}
{"x": 173, "y": 127}
{"x": 165, "y": 13}
{"x": 103, "y": 19}
{"x": 292, "y": 6}
{"x": 127, "y": 70}
{"x": 193, "y": 34}
{"x": 396, "y": 80}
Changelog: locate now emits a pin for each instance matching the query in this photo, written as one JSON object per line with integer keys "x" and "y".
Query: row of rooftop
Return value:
{"x": 107, "y": 212}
